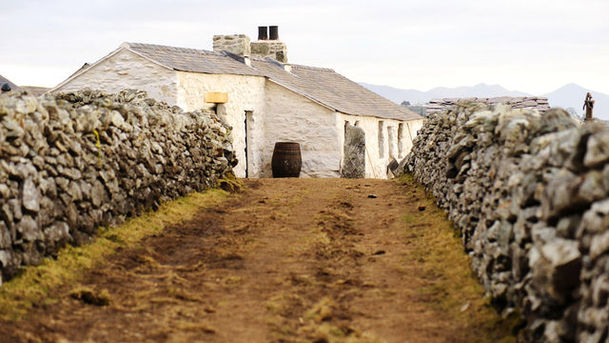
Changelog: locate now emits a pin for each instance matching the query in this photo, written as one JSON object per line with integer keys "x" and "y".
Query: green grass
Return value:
{"x": 34, "y": 286}
{"x": 450, "y": 282}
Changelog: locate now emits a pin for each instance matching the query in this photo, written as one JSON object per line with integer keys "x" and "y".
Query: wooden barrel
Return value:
{"x": 286, "y": 160}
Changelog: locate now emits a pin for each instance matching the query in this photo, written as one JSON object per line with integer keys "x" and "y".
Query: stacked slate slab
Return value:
{"x": 73, "y": 162}
{"x": 529, "y": 193}
{"x": 534, "y": 103}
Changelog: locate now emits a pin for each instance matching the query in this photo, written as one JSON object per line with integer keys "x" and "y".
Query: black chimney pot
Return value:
{"x": 274, "y": 32}
{"x": 262, "y": 33}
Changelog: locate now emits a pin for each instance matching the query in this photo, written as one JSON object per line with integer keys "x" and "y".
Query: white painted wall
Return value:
{"x": 376, "y": 167}
{"x": 245, "y": 93}
{"x": 292, "y": 117}
{"x": 410, "y": 132}
{"x": 126, "y": 69}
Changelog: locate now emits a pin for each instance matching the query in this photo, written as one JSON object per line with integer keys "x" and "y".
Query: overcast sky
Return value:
{"x": 533, "y": 46}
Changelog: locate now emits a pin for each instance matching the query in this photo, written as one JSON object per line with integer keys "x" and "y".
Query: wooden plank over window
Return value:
{"x": 216, "y": 97}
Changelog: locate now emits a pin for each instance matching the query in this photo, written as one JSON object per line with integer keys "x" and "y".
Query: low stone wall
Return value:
{"x": 530, "y": 196}
{"x": 74, "y": 162}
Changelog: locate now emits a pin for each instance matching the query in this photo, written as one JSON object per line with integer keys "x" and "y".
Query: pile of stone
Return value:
{"x": 77, "y": 161}
{"x": 534, "y": 103}
{"x": 529, "y": 193}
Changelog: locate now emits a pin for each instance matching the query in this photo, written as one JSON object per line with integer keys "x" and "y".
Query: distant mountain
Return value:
{"x": 418, "y": 97}
{"x": 570, "y": 95}
{"x": 573, "y": 95}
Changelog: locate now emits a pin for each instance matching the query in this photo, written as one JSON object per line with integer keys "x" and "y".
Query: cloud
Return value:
{"x": 534, "y": 46}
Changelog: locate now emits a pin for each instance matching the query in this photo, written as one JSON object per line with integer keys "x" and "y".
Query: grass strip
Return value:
{"x": 449, "y": 281}
{"x": 35, "y": 284}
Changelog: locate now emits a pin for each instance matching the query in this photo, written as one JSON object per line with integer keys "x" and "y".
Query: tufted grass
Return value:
{"x": 34, "y": 286}
{"x": 450, "y": 283}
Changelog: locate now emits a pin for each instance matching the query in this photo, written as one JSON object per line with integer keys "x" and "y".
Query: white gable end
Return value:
{"x": 125, "y": 69}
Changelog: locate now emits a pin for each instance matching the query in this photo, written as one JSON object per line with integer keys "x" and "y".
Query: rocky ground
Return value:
{"x": 293, "y": 260}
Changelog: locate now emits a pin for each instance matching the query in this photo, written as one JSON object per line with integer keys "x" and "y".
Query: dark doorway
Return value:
{"x": 247, "y": 123}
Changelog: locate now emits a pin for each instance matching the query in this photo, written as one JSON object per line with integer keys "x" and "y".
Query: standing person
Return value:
{"x": 6, "y": 88}
{"x": 588, "y": 106}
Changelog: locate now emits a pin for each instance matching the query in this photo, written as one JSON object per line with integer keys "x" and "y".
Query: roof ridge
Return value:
{"x": 300, "y": 66}
{"x": 160, "y": 46}
{"x": 209, "y": 52}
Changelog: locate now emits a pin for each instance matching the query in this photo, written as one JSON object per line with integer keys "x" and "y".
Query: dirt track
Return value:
{"x": 295, "y": 260}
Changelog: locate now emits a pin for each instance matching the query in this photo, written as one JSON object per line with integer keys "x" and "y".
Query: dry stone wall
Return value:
{"x": 529, "y": 193}
{"x": 72, "y": 162}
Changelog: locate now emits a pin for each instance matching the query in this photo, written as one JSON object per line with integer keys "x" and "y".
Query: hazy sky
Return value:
{"x": 534, "y": 46}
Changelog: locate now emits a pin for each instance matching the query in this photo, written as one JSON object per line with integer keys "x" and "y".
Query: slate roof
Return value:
{"x": 193, "y": 60}
{"x": 333, "y": 90}
{"x": 321, "y": 85}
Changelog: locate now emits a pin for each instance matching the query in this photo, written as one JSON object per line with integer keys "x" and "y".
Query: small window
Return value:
{"x": 381, "y": 140}
{"x": 400, "y": 142}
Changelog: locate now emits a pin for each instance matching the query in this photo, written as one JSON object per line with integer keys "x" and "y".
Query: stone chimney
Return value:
{"x": 271, "y": 47}
{"x": 236, "y": 44}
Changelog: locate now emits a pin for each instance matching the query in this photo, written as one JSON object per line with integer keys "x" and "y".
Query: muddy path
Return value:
{"x": 295, "y": 260}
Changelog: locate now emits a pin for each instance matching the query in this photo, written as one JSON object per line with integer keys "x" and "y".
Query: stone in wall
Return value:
{"x": 354, "y": 162}
{"x": 76, "y": 161}
{"x": 529, "y": 193}
{"x": 274, "y": 49}
{"x": 238, "y": 44}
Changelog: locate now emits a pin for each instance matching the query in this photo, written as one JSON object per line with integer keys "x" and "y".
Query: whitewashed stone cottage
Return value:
{"x": 264, "y": 99}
